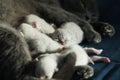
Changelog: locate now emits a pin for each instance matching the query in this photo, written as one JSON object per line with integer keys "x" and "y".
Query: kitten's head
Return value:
{"x": 27, "y": 31}
{"x": 59, "y": 37}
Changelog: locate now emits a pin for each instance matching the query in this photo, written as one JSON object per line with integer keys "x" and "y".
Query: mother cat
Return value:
{"x": 16, "y": 62}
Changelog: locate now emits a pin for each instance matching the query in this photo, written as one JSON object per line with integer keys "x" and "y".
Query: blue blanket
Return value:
{"x": 109, "y": 12}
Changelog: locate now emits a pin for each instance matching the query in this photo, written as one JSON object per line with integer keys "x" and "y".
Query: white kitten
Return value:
{"x": 96, "y": 58}
{"x": 81, "y": 55}
{"x": 39, "y": 41}
{"x": 101, "y": 58}
{"x": 39, "y": 23}
{"x": 68, "y": 34}
{"x": 48, "y": 63}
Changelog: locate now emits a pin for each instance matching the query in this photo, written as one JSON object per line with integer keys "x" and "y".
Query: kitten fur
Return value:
{"x": 14, "y": 55}
{"x": 69, "y": 33}
{"x": 13, "y": 10}
{"x": 39, "y": 23}
{"x": 15, "y": 59}
{"x": 48, "y": 63}
{"x": 39, "y": 41}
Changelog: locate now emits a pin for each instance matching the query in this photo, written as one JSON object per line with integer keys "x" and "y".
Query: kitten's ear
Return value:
{"x": 34, "y": 24}
{"x": 53, "y": 25}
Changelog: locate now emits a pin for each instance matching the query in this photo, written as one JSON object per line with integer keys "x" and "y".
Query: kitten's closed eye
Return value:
{"x": 56, "y": 36}
{"x": 59, "y": 38}
{"x": 56, "y": 39}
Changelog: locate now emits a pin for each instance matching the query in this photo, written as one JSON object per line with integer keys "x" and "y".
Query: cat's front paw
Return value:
{"x": 107, "y": 30}
{"x": 84, "y": 71}
{"x": 93, "y": 36}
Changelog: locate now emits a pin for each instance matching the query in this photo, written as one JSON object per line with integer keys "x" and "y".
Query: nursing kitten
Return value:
{"x": 39, "y": 23}
{"x": 48, "y": 64}
{"x": 68, "y": 34}
{"x": 38, "y": 41}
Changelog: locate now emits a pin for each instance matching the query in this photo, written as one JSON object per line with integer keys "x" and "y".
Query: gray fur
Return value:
{"x": 14, "y": 12}
{"x": 16, "y": 62}
{"x": 14, "y": 54}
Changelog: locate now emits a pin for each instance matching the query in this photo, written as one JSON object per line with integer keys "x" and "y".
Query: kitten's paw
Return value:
{"x": 93, "y": 36}
{"x": 84, "y": 71}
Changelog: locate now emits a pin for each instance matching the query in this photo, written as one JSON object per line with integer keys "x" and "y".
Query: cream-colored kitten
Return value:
{"x": 47, "y": 64}
{"x": 39, "y": 41}
{"x": 39, "y": 23}
{"x": 68, "y": 34}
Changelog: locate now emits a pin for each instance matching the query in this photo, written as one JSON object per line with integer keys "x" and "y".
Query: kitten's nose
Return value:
{"x": 61, "y": 42}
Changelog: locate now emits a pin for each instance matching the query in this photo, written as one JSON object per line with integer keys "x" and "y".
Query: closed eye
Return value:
{"x": 56, "y": 40}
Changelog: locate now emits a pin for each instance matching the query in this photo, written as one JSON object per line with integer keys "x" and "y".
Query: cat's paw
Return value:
{"x": 93, "y": 36}
{"x": 107, "y": 30}
{"x": 84, "y": 71}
